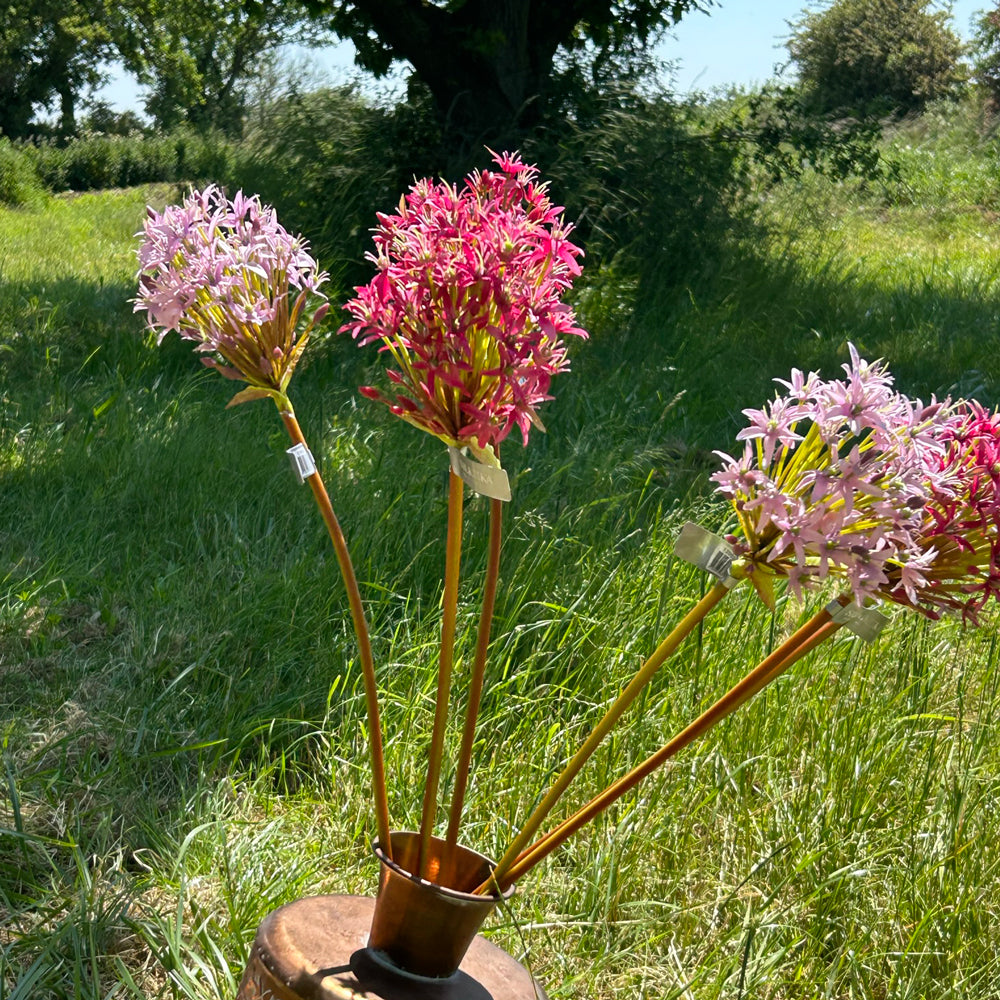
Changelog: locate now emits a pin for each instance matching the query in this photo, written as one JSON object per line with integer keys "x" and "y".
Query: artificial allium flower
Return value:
{"x": 832, "y": 479}
{"x": 222, "y": 273}
{"x": 955, "y": 565}
{"x": 468, "y": 303}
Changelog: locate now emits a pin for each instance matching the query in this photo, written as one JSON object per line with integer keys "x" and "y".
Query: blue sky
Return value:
{"x": 740, "y": 42}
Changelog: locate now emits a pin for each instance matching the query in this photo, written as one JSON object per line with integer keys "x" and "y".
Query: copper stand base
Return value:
{"x": 314, "y": 949}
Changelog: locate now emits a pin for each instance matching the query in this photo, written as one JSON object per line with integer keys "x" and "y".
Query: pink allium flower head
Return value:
{"x": 467, "y": 301}
{"x": 832, "y": 479}
{"x": 222, "y": 273}
{"x": 954, "y": 564}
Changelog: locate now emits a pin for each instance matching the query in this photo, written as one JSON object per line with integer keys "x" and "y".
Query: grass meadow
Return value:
{"x": 181, "y": 712}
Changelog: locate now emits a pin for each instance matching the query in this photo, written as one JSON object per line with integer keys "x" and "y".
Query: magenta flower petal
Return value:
{"x": 467, "y": 301}
{"x": 960, "y": 527}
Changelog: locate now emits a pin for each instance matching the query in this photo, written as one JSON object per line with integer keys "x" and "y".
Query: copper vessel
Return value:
{"x": 417, "y": 941}
{"x": 425, "y": 926}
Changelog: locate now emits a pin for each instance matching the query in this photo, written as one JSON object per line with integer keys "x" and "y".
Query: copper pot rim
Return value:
{"x": 444, "y": 890}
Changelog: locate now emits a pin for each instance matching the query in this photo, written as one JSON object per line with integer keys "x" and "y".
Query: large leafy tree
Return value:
{"x": 489, "y": 65}
{"x": 875, "y": 55}
{"x": 986, "y": 54}
{"x": 50, "y": 55}
{"x": 196, "y": 57}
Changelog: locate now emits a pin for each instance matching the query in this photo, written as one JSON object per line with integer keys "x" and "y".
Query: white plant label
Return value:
{"x": 865, "y": 623}
{"x": 707, "y": 551}
{"x": 302, "y": 461}
{"x": 484, "y": 479}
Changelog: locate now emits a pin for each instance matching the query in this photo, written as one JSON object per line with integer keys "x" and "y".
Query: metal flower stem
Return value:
{"x": 478, "y": 672}
{"x": 666, "y": 648}
{"x": 360, "y": 630}
{"x": 810, "y": 635}
{"x": 449, "y": 614}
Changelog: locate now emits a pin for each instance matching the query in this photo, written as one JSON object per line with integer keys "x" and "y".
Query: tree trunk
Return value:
{"x": 489, "y": 89}
{"x": 486, "y": 63}
{"x": 67, "y": 111}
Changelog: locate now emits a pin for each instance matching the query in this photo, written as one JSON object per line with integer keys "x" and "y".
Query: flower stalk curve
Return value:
{"x": 226, "y": 275}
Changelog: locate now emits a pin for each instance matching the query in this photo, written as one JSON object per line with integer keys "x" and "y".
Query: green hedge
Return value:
{"x": 96, "y": 162}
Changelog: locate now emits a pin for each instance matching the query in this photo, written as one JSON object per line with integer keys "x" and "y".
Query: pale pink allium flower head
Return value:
{"x": 832, "y": 480}
{"x": 955, "y": 562}
{"x": 223, "y": 274}
{"x": 468, "y": 302}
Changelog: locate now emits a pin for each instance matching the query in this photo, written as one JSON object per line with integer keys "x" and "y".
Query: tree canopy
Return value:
{"x": 489, "y": 64}
{"x": 50, "y": 52}
{"x": 875, "y": 55}
{"x": 491, "y": 68}
{"x": 196, "y": 57}
{"x": 986, "y": 53}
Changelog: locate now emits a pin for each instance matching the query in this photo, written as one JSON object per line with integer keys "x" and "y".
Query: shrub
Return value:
{"x": 328, "y": 160}
{"x": 875, "y": 55}
{"x": 19, "y": 182}
{"x": 649, "y": 181}
{"x": 652, "y": 182}
{"x": 985, "y": 50}
{"x": 784, "y": 137}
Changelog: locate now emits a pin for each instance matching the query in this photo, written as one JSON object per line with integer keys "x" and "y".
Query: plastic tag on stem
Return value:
{"x": 485, "y": 479}
{"x": 302, "y": 461}
{"x": 707, "y": 551}
{"x": 865, "y": 623}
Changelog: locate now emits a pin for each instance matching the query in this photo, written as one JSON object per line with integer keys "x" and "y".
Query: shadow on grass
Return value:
{"x": 759, "y": 318}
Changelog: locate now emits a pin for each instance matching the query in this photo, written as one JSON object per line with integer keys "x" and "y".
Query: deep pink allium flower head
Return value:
{"x": 955, "y": 562}
{"x": 832, "y": 479}
{"x": 468, "y": 302}
{"x": 222, "y": 273}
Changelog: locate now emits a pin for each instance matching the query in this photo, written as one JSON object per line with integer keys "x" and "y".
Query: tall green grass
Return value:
{"x": 181, "y": 712}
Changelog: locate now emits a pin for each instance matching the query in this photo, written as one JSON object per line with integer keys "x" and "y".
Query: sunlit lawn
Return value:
{"x": 181, "y": 709}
